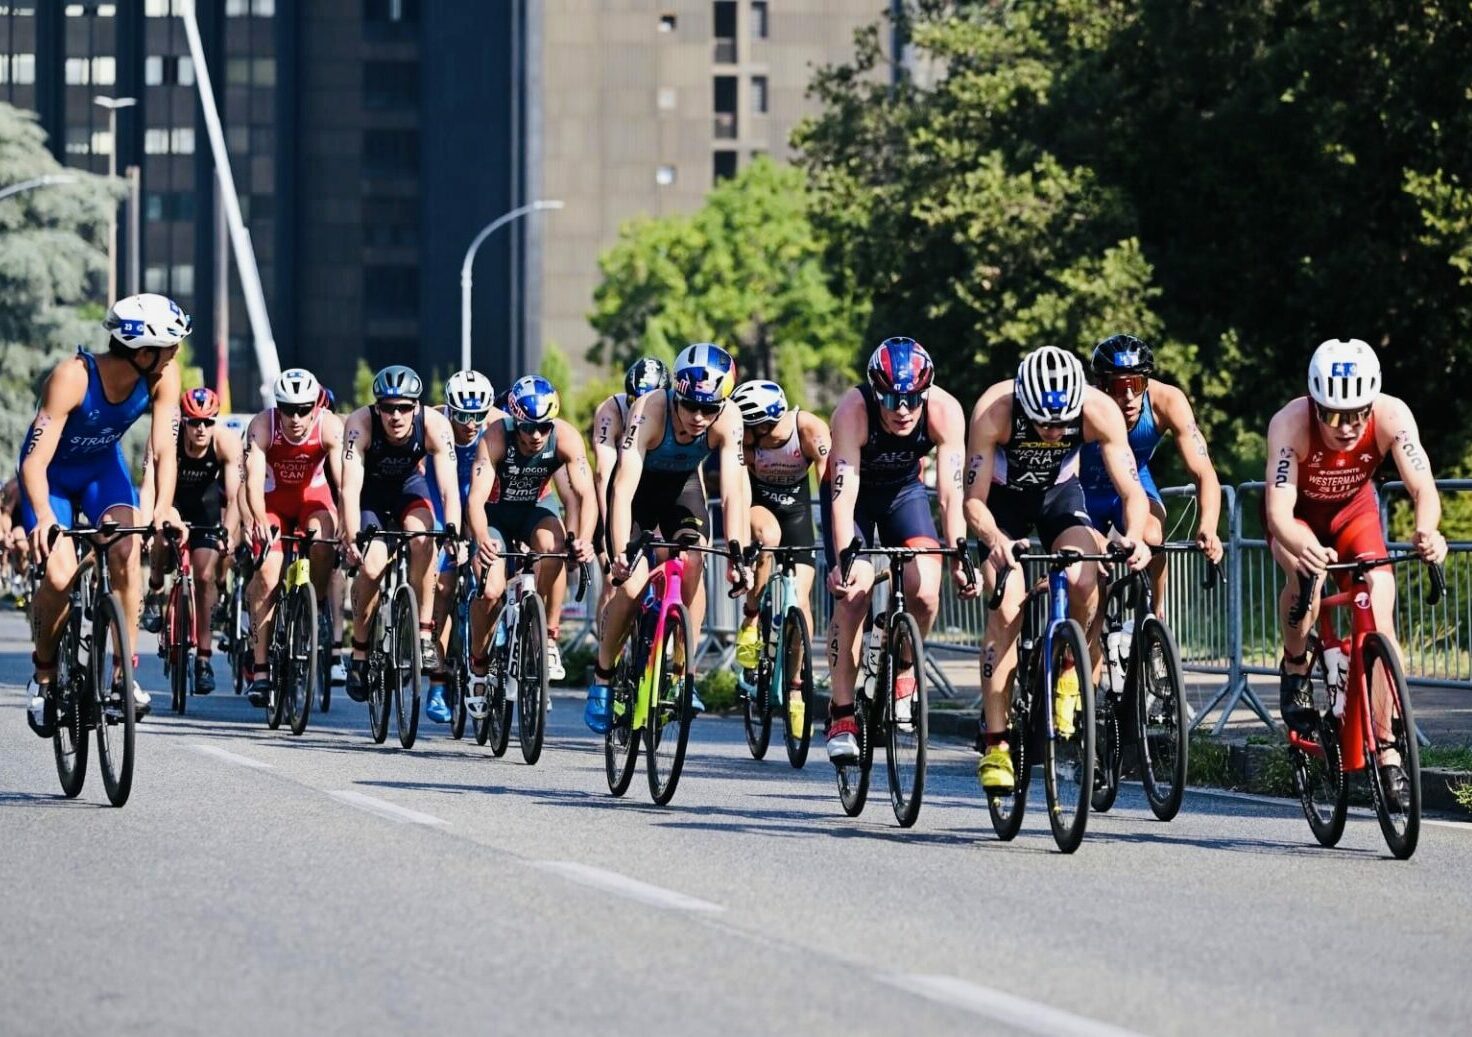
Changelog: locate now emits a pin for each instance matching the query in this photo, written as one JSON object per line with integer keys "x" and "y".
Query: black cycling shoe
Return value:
{"x": 1397, "y": 788}
{"x": 260, "y": 692}
{"x": 204, "y": 677}
{"x": 153, "y": 611}
{"x": 1296, "y": 702}
{"x": 357, "y": 685}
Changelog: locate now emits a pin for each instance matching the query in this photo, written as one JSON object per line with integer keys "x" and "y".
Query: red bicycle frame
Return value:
{"x": 1356, "y": 689}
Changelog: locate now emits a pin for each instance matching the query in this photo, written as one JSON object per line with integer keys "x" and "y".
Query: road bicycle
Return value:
{"x": 234, "y": 637}
{"x": 1141, "y": 699}
{"x": 891, "y": 637}
{"x": 177, "y": 645}
{"x": 465, "y": 591}
{"x": 393, "y": 644}
{"x": 784, "y": 671}
{"x": 1362, "y": 711}
{"x": 1058, "y": 731}
{"x": 654, "y": 678}
{"x": 93, "y": 688}
{"x": 517, "y": 675}
{"x": 292, "y": 666}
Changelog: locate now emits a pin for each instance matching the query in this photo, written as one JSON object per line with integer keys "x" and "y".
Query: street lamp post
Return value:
{"x": 465, "y": 268}
{"x": 39, "y": 181}
{"x": 112, "y": 104}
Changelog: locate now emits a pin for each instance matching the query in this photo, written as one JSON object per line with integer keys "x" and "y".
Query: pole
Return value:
{"x": 222, "y": 302}
{"x": 465, "y": 267}
{"x": 40, "y": 181}
{"x": 112, "y": 213}
{"x": 135, "y": 219}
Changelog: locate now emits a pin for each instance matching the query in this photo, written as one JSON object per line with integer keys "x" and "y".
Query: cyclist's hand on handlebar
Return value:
{"x": 620, "y": 568}
{"x": 1211, "y": 545}
{"x": 1136, "y": 554}
{"x": 581, "y": 550}
{"x": 489, "y": 551}
{"x": 844, "y": 591}
{"x": 967, "y": 584}
{"x": 1314, "y": 557}
{"x": 43, "y": 536}
{"x": 738, "y": 576}
{"x": 1431, "y": 546}
{"x": 1003, "y": 554}
{"x": 350, "y": 553}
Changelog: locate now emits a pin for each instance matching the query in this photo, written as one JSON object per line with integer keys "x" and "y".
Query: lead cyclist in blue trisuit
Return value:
{"x": 72, "y": 464}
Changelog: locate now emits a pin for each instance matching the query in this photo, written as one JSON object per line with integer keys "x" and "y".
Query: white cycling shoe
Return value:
{"x": 555, "y": 670}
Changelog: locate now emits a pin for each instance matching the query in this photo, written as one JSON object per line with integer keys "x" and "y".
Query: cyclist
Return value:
{"x": 337, "y": 590}
{"x": 1122, "y": 367}
{"x": 13, "y": 543}
{"x": 469, "y": 404}
{"x": 644, "y": 375}
{"x": 208, "y": 461}
{"x": 519, "y": 456}
{"x": 781, "y": 445}
{"x": 1321, "y": 507}
{"x": 289, "y": 452}
{"x": 72, "y": 463}
{"x": 871, "y": 489}
{"x": 384, "y": 485}
{"x": 658, "y": 487}
{"x": 1023, "y": 473}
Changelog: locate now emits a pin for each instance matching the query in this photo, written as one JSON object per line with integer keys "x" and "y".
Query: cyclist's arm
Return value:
{"x": 146, "y": 492}
{"x": 1104, "y": 424}
{"x": 735, "y": 486}
{"x": 983, "y": 439}
{"x": 815, "y": 438}
{"x": 227, "y": 448}
{"x": 1397, "y": 424}
{"x": 850, "y": 428}
{"x": 948, "y": 430}
{"x": 332, "y": 439}
{"x": 163, "y": 437}
{"x": 578, "y": 495}
{"x": 63, "y": 393}
{"x": 1172, "y": 405}
{"x": 642, "y": 422}
{"x": 439, "y": 442}
{"x": 357, "y": 434}
{"x": 608, "y": 426}
{"x": 1282, "y": 483}
{"x": 482, "y": 482}
{"x": 257, "y": 441}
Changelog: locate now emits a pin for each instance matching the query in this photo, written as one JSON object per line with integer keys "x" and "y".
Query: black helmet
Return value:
{"x": 644, "y": 376}
{"x": 1122, "y": 354}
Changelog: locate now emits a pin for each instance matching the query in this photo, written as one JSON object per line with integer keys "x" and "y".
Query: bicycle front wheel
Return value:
{"x": 1161, "y": 725}
{"x": 853, "y": 777}
{"x": 300, "y": 674}
{"x": 181, "y": 643}
{"x": 457, "y": 676}
{"x": 405, "y": 664}
{"x": 1390, "y": 741}
{"x": 906, "y": 726}
{"x": 796, "y": 653}
{"x": 1007, "y": 808}
{"x": 1068, "y": 771}
{"x": 1107, "y": 766}
{"x": 621, "y": 743}
{"x": 324, "y": 652}
{"x": 756, "y": 714}
{"x": 112, "y": 683}
{"x": 70, "y": 740}
{"x": 531, "y": 673}
{"x": 667, "y": 728}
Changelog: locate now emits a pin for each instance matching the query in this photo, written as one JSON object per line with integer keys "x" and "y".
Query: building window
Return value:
{"x": 759, "y": 94}
{"x": 667, "y": 23}
{"x": 18, "y": 68}
{"x": 183, "y": 279}
{"x": 391, "y": 291}
{"x": 78, "y": 140}
{"x": 250, "y": 71}
{"x": 724, "y": 165}
{"x": 101, "y": 71}
{"x": 668, "y": 98}
{"x": 176, "y": 141}
{"x": 390, "y": 84}
{"x": 168, "y": 69}
{"x": 94, "y": 10}
{"x": 391, "y": 152}
{"x": 725, "y": 107}
{"x": 241, "y": 8}
{"x": 168, "y": 205}
{"x": 664, "y": 176}
{"x": 724, "y": 12}
{"x": 156, "y": 279}
{"x": 759, "y": 19}
{"x": 391, "y": 11}
{"x": 162, "y": 8}
{"x": 391, "y": 222}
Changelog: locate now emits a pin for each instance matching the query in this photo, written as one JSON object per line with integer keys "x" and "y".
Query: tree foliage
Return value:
{"x": 746, "y": 271}
{"x": 52, "y": 255}
{"x": 1235, "y": 181}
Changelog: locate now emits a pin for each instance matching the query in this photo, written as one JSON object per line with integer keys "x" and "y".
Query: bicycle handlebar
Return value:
{"x": 645, "y": 541}
{"x": 584, "y": 574}
{"x": 857, "y": 549}
{"x": 98, "y": 538}
{"x": 1306, "y": 583}
{"x": 1055, "y": 559}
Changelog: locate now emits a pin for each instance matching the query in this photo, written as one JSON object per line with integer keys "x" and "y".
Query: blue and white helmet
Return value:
{"x": 397, "y": 382}
{"x": 704, "y": 373}
{"x": 759, "y": 402}
{"x": 1344, "y": 374}
{"x": 147, "y": 321}
{"x": 469, "y": 392}
{"x": 296, "y": 386}
{"x": 1050, "y": 385}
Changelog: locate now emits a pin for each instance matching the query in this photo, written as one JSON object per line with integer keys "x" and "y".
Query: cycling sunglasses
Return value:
{"x": 1335, "y": 418}
{"x": 396, "y": 408}
{"x": 296, "y": 410}
{"x": 896, "y": 400}
{"x": 532, "y": 428}
{"x": 710, "y": 410}
{"x": 469, "y": 417}
{"x": 200, "y": 422}
{"x": 1121, "y": 385}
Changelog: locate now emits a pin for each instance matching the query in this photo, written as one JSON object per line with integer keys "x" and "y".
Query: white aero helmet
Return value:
{"x": 759, "y": 401}
{"x": 1050, "y": 385}
{"x": 1344, "y": 374}
{"x": 469, "y": 392}
{"x": 297, "y": 385}
{"x": 147, "y": 321}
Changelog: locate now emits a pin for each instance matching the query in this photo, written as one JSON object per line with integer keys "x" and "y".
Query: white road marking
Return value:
{"x": 622, "y": 885}
{"x": 229, "y": 757}
{"x": 383, "y": 808}
{"x": 1008, "y": 1009}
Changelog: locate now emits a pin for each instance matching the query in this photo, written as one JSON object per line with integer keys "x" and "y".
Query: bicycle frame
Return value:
{"x": 666, "y": 586}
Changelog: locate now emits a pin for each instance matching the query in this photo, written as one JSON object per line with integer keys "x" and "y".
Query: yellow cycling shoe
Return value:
{"x": 995, "y": 772}
{"x": 748, "y": 646}
{"x": 1065, "y": 702}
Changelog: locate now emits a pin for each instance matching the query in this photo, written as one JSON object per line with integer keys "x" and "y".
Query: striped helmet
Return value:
{"x": 900, "y": 364}
{"x": 469, "y": 392}
{"x": 1050, "y": 385}
{"x": 704, "y": 373}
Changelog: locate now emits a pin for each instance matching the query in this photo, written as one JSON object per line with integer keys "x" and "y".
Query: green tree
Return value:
{"x": 745, "y": 271}
{"x": 362, "y": 384}
{"x": 52, "y": 242}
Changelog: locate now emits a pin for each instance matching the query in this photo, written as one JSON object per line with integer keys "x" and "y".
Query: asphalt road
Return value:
{"x": 259, "y": 883}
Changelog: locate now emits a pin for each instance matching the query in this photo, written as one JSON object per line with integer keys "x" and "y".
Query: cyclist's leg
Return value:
{"x": 766, "y": 531}
{"x": 1014, "y": 516}
{"x": 50, "y": 606}
{"x": 848, "y": 614}
{"x": 418, "y": 517}
{"x": 795, "y": 524}
{"x": 260, "y": 593}
{"x": 1155, "y": 534}
{"x": 204, "y": 560}
{"x": 112, "y": 495}
{"x": 684, "y": 518}
{"x": 1064, "y": 522}
{"x": 548, "y": 534}
{"x": 908, "y": 523}
{"x": 366, "y": 587}
{"x": 1356, "y": 533}
{"x": 322, "y": 520}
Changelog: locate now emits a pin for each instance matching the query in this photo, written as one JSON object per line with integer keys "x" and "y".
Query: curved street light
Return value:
{"x": 465, "y": 267}
{"x": 40, "y": 181}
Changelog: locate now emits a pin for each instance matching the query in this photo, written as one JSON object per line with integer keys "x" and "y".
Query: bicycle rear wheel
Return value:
{"x": 853, "y": 778}
{"x": 300, "y": 674}
{"x": 1107, "y": 766}
{"x": 70, "y": 742}
{"x": 1161, "y": 723}
{"x": 756, "y": 712}
{"x": 797, "y": 691}
{"x": 1068, "y": 760}
{"x": 1400, "y": 819}
{"x": 405, "y": 664}
{"x": 905, "y": 742}
{"x": 621, "y": 743}
{"x": 324, "y": 652}
{"x": 239, "y": 637}
{"x": 111, "y": 654}
{"x": 180, "y": 627}
{"x": 380, "y": 696}
{"x": 667, "y": 727}
{"x": 531, "y": 674}
{"x": 457, "y": 677}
